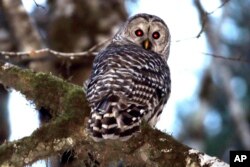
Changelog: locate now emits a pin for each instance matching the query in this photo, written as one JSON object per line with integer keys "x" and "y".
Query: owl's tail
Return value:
{"x": 109, "y": 121}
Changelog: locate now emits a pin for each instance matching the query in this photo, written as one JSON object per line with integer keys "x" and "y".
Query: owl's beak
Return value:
{"x": 146, "y": 44}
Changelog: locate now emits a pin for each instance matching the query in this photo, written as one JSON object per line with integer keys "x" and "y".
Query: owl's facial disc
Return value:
{"x": 148, "y": 34}
{"x": 147, "y": 31}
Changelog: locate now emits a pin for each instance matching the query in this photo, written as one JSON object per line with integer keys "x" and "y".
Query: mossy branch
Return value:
{"x": 69, "y": 109}
{"x": 66, "y": 103}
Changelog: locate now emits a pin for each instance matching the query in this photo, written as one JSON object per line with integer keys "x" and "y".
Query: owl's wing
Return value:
{"x": 124, "y": 89}
{"x": 85, "y": 85}
{"x": 114, "y": 114}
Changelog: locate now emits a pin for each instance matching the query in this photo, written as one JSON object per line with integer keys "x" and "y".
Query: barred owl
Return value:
{"x": 130, "y": 80}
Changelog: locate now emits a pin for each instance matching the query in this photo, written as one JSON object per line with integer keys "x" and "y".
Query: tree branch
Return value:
{"x": 220, "y": 70}
{"x": 67, "y": 104}
{"x": 39, "y": 6}
{"x": 66, "y": 130}
{"x": 237, "y": 59}
{"x": 204, "y": 16}
{"x": 44, "y": 54}
{"x": 204, "y": 19}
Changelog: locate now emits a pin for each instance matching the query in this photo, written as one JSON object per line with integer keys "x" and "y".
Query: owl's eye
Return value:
{"x": 139, "y": 32}
{"x": 156, "y": 35}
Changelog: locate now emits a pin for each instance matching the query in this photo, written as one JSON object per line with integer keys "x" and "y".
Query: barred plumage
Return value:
{"x": 128, "y": 83}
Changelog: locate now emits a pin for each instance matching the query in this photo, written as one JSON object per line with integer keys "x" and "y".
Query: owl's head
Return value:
{"x": 147, "y": 31}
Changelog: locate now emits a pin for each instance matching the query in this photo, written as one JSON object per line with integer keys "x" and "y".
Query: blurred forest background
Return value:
{"x": 217, "y": 117}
